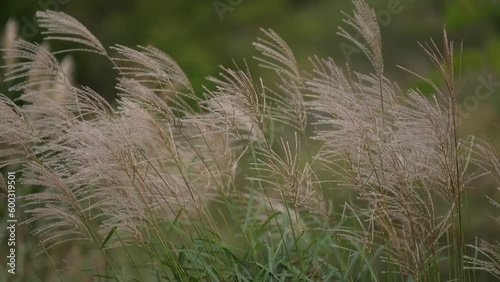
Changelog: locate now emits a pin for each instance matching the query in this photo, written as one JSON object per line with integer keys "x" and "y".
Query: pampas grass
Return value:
{"x": 192, "y": 186}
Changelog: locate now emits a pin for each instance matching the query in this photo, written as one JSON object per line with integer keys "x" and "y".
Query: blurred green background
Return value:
{"x": 201, "y": 35}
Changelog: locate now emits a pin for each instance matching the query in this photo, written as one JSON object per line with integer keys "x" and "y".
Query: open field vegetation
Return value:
{"x": 326, "y": 173}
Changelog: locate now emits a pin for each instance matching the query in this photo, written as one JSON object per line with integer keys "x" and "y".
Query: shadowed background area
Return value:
{"x": 201, "y": 35}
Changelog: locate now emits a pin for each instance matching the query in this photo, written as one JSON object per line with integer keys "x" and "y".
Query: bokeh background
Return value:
{"x": 201, "y": 35}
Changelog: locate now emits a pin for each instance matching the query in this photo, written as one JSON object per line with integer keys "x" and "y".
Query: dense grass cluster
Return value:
{"x": 326, "y": 175}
